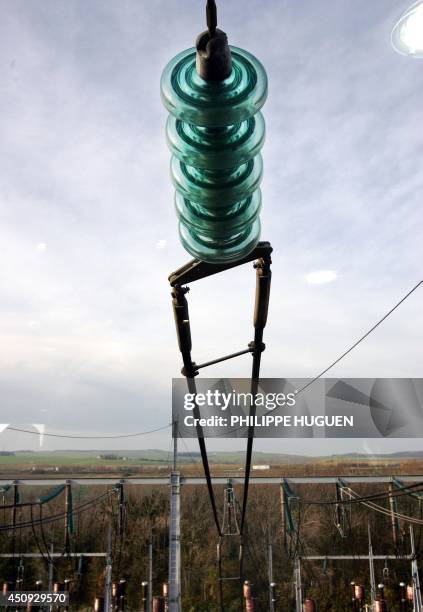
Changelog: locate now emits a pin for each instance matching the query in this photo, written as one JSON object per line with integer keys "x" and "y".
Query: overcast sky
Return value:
{"x": 88, "y": 233}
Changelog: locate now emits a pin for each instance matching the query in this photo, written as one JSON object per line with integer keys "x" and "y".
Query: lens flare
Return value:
{"x": 407, "y": 35}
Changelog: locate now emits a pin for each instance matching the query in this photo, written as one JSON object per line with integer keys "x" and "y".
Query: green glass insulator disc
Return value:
{"x": 215, "y": 132}
{"x": 232, "y": 249}
{"x": 221, "y": 222}
{"x": 222, "y": 147}
{"x": 209, "y": 103}
{"x": 217, "y": 188}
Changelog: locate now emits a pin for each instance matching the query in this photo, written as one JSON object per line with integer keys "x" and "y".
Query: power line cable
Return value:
{"x": 403, "y": 491}
{"x": 382, "y": 510}
{"x": 375, "y": 326}
{"x": 95, "y": 437}
{"x": 57, "y": 517}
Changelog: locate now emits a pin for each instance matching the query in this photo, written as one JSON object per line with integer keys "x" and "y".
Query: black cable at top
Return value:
{"x": 211, "y": 12}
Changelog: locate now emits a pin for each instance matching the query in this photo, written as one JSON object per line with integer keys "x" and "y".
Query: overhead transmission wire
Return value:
{"x": 93, "y": 437}
{"x": 56, "y": 517}
{"x": 386, "y": 511}
{"x": 45, "y": 554}
{"x": 401, "y": 492}
{"x": 372, "y": 329}
{"x": 36, "y": 540}
{"x": 194, "y": 461}
{"x": 367, "y": 501}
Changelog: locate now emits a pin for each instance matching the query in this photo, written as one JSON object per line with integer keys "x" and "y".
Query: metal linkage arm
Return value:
{"x": 183, "y": 329}
{"x": 263, "y": 280}
{"x": 196, "y": 269}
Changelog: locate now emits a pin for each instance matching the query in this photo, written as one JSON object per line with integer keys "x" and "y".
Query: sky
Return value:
{"x": 88, "y": 232}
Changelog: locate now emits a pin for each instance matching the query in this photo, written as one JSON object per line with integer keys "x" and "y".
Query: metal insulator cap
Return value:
{"x": 214, "y": 60}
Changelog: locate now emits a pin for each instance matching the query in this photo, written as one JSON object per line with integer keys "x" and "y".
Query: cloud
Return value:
{"x": 321, "y": 277}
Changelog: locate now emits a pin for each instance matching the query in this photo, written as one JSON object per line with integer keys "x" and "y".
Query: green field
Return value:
{"x": 155, "y": 457}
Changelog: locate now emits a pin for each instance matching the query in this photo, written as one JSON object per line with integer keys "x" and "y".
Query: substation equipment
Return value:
{"x": 409, "y": 593}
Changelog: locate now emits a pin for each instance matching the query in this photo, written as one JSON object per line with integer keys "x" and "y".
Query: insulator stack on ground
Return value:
{"x": 166, "y": 595}
{"x": 38, "y": 587}
{"x": 410, "y": 592}
{"x": 144, "y": 596}
{"x": 248, "y": 596}
{"x": 247, "y": 591}
{"x": 249, "y": 605}
{"x": 380, "y": 606}
{"x": 118, "y": 594}
{"x": 158, "y": 604}
{"x": 359, "y": 592}
{"x": 67, "y": 587}
{"x": 98, "y": 604}
{"x": 8, "y": 586}
{"x": 58, "y": 587}
{"x": 403, "y": 597}
{"x": 352, "y": 584}
{"x": 358, "y": 596}
{"x": 273, "y": 595}
{"x": 310, "y": 605}
{"x": 215, "y": 133}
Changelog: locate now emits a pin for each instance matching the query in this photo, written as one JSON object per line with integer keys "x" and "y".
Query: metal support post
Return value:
{"x": 394, "y": 524}
{"x": 417, "y": 594}
{"x": 175, "y": 544}
{"x": 372, "y": 570}
{"x": 270, "y": 575}
{"x": 175, "y": 445}
{"x": 339, "y": 510}
{"x": 20, "y": 575}
{"x": 298, "y": 585}
{"x": 273, "y": 595}
{"x": 283, "y": 516}
{"x": 150, "y": 573}
{"x": 144, "y": 596}
{"x": 108, "y": 574}
{"x": 68, "y": 514}
{"x": 14, "y": 513}
{"x": 121, "y": 518}
{"x": 51, "y": 571}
